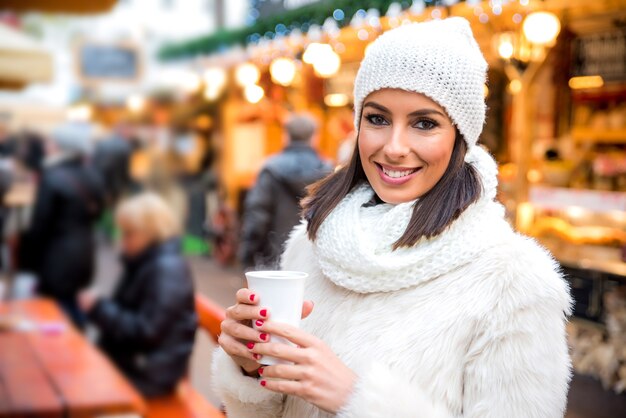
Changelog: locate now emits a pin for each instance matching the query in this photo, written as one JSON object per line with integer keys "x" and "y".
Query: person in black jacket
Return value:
{"x": 59, "y": 246}
{"x": 148, "y": 327}
{"x": 272, "y": 207}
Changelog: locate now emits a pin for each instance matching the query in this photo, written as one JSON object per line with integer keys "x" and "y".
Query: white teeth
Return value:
{"x": 397, "y": 174}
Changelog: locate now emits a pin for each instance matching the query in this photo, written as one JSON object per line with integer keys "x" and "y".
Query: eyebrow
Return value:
{"x": 421, "y": 112}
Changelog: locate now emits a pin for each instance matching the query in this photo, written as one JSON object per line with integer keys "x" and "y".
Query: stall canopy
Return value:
{"x": 59, "y": 6}
{"x": 22, "y": 60}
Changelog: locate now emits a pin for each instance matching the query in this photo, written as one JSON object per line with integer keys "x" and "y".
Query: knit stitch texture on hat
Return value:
{"x": 440, "y": 59}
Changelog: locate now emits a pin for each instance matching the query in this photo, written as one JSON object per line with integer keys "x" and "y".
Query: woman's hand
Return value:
{"x": 237, "y": 332}
{"x": 318, "y": 376}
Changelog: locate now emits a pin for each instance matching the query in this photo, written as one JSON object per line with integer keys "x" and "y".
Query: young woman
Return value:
{"x": 427, "y": 304}
{"x": 149, "y": 325}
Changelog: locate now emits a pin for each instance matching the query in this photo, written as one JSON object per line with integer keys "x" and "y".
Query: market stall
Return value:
{"x": 22, "y": 59}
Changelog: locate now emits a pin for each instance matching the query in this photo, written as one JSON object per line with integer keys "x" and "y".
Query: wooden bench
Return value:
{"x": 187, "y": 402}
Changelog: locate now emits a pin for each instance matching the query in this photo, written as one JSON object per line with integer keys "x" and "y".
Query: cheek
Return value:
{"x": 369, "y": 143}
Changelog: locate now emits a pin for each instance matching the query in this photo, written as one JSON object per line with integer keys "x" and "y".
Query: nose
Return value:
{"x": 397, "y": 147}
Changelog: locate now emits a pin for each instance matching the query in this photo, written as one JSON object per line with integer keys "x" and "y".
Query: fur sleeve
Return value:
{"x": 517, "y": 366}
{"x": 242, "y": 396}
{"x": 382, "y": 392}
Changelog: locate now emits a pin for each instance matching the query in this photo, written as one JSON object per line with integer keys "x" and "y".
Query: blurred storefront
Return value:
{"x": 557, "y": 120}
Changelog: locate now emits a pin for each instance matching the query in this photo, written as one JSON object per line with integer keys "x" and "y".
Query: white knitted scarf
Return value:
{"x": 354, "y": 243}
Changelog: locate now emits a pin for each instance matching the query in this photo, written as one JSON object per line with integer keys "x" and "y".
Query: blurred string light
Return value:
{"x": 215, "y": 81}
{"x": 326, "y": 62}
{"x": 79, "y": 113}
{"x": 436, "y": 13}
{"x": 283, "y": 71}
{"x": 517, "y": 18}
{"x": 338, "y": 14}
{"x": 253, "y": 93}
{"x": 524, "y": 2}
{"x": 483, "y": 18}
{"x": 393, "y": 14}
{"x": 189, "y": 81}
{"x": 247, "y": 74}
{"x": 450, "y": 2}
{"x": 373, "y": 18}
{"x": 515, "y": 86}
{"x": 336, "y": 100}
{"x": 485, "y": 90}
{"x": 506, "y": 45}
{"x": 135, "y": 103}
{"x": 363, "y": 34}
{"x": 541, "y": 28}
{"x": 417, "y": 7}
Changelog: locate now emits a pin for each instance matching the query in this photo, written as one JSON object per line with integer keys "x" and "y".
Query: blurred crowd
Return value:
{"x": 65, "y": 193}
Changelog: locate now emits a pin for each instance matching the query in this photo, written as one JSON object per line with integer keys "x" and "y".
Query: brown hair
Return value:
{"x": 433, "y": 212}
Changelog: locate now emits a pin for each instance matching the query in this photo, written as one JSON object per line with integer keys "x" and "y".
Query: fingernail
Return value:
{"x": 259, "y": 323}
{"x": 260, "y": 370}
{"x": 250, "y": 345}
{"x": 263, "y": 336}
{"x": 263, "y": 383}
{"x": 263, "y": 313}
{"x": 256, "y": 356}
{"x": 252, "y": 296}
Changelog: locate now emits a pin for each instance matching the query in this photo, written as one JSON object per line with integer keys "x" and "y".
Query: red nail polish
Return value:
{"x": 252, "y": 296}
{"x": 263, "y": 313}
{"x": 263, "y": 336}
{"x": 259, "y": 323}
{"x": 263, "y": 383}
{"x": 250, "y": 345}
{"x": 256, "y": 356}
{"x": 260, "y": 370}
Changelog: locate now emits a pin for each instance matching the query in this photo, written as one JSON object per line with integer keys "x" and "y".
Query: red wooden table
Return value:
{"x": 57, "y": 372}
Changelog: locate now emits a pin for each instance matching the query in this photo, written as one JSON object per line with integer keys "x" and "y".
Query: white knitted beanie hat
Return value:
{"x": 439, "y": 59}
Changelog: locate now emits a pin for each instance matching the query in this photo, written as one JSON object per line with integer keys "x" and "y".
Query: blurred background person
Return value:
{"x": 112, "y": 159}
{"x": 59, "y": 246}
{"x": 148, "y": 326}
{"x": 272, "y": 208}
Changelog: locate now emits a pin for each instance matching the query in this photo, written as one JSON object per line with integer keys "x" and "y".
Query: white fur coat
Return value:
{"x": 471, "y": 326}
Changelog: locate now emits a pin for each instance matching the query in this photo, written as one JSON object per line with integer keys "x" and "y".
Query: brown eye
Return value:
{"x": 425, "y": 124}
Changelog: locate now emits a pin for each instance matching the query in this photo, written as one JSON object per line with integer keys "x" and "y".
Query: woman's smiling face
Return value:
{"x": 405, "y": 144}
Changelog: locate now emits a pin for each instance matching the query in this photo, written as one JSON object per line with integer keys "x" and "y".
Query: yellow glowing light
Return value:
{"x": 505, "y": 49}
{"x": 328, "y": 64}
{"x": 314, "y": 51}
{"x": 283, "y": 71}
{"x": 586, "y": 82}
{"x": 515, "y": 86}
{"x": 247, "y": 74}
{"x": 541, "y": 27}
{"x": 135, "y": 103}
{"x": 212, "y": 93}
{"x": 525, "y": 215}
{"x": 253, "y": 93}
{"x": 534, "y": 176}
{"x": 215, "y": 77}
{"x": 336, "y": 100}
{"x": 485, "y": 90}
{"x": 190, "y": 82}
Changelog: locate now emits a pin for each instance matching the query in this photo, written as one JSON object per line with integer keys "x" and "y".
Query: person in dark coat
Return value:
{"x": 148, "y": 327}
{"x": 59, "y": 246}
{"x": 272, "y": 207}
{"x": 112, "y": 159}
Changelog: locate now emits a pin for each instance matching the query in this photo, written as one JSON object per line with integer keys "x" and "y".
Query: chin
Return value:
{"x": 395, "y": 197}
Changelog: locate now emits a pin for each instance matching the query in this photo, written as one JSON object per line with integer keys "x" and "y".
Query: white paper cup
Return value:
{"x": 282, "y": 292}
